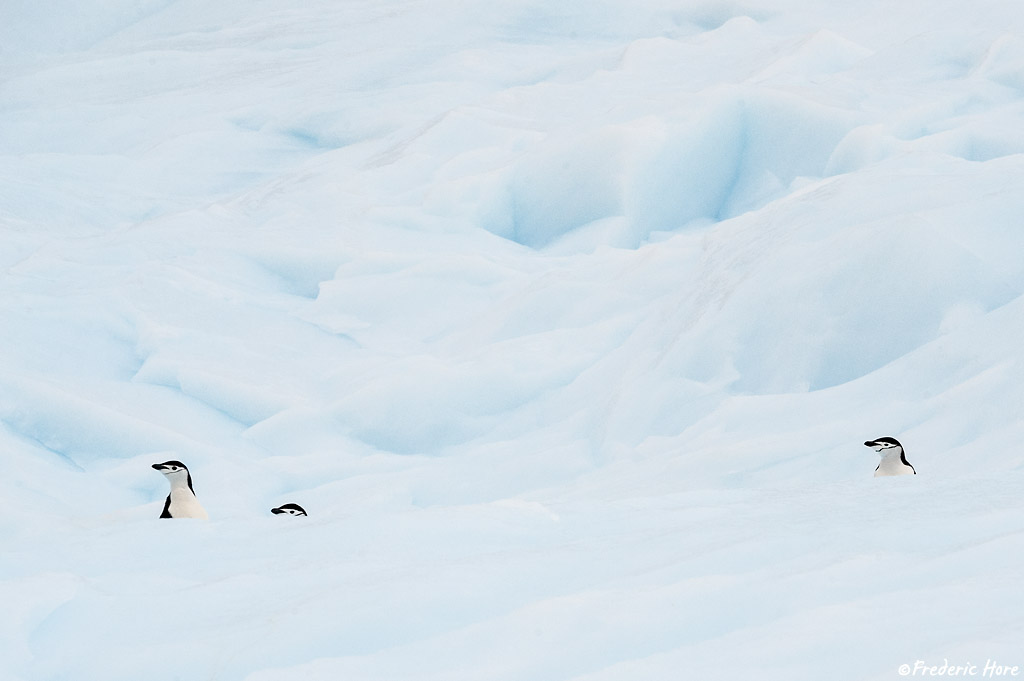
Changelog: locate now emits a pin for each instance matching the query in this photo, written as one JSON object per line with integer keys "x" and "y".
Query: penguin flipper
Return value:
{"x": 167, "y": 508}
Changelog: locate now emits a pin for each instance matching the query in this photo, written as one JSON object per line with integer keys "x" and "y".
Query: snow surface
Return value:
{"x": 564, "y": 321}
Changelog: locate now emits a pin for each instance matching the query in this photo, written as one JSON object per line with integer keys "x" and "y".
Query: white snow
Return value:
{"x": 565, "y": 322}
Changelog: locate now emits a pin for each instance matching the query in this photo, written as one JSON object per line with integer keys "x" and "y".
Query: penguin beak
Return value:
{"x": 276, "y": 511}
{"x": 158, "y": 467}
{"x": 866, "y": 444}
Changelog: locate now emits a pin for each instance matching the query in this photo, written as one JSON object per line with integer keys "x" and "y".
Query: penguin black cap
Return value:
{"x": 169, "y": 464}
{"x": 172, "y": 465}
{"x": 289, "y": 509}
{"x": 888, "y": 440}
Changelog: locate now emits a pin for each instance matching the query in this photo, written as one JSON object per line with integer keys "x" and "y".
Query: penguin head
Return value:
{"x": 176, "y": 472}
{"x": 886, "y": 446}
{"x": 288, "y": 509}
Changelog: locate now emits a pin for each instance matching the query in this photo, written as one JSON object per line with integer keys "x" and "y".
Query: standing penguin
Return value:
{"x": 894, "y": 460}
{"x": 181, "y": 502}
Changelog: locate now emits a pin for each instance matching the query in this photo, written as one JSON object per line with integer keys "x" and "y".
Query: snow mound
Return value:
{"x": 564, "y": 321}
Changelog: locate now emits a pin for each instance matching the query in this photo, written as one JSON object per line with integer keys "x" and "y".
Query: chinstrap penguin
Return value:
{"x": 181, "y": 502}
{"x": 288, "y": 509}
{"x": 894, "y": 460}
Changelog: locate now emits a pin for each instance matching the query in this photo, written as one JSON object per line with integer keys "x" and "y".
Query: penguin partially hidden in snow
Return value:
{"x": 288, "y": 509}
{"x": 181, "y": 502}
{"x": 894, "y": 460}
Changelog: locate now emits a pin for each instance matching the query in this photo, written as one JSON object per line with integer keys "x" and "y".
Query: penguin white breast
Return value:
{"x": 893, "y": 465}
{"x": 185, "y": 505}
